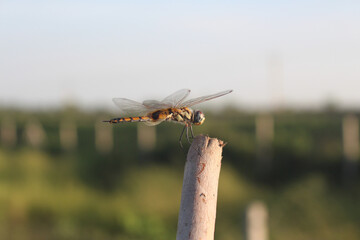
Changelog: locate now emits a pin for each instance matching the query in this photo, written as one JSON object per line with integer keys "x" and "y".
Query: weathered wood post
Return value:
{"x": 35, "y": 133}
{"x": 104, "y": 140}
{"x": 257, "y": 221}
{"x": 200, "y": 186}
{"x": 350, "y": 147}
{"x": 68, "y": 135}
{"x": 264, "y": 139}
{"x": 8, "y": 132}
{"x": 146, "y": 137}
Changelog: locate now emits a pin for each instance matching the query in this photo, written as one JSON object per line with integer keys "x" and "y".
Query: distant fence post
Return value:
{"x": 104, "y": 140}
{"x": 68, "y": 135}
{"x": 34, "y": 133}
{"x": 256, "y": 222}
{"x": 8, "y": 133}
{"x": 350, "y": 127}
{"x": 146, "y": 137}
{"x": 264, "y": 138}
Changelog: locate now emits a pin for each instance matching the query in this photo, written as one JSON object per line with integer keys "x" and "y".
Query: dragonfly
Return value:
{"x": 173, "y": 108}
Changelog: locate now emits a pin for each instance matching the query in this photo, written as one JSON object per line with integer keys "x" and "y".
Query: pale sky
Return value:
{"x": 300, "y": 53}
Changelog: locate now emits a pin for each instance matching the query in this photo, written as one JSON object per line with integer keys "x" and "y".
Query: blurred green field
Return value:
{"x": 49, "y": 193}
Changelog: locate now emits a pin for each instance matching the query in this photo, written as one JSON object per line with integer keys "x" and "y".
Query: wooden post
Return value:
{"x": 146, "y": 137}
{"x": 35, "y": 133}
{"x": 350, "y": 148}
{"x": 199, "y": 193}
{"x": 256, "y": 221}
{"x": 264, "y": 138}
{"x": 104, "y": 140}
{"x": 351, "y": 137}
{"x": 68, "y": 135}
{"x": 8, "y": 132}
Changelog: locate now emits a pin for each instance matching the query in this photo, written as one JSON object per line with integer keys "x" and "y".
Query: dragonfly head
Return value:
{"x": 199, "y": 118}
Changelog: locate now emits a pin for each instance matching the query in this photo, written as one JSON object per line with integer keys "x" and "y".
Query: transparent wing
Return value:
{"x": 175, "y": 99}
{"x": 131, "y": 108}
{"x": 154, "y": 104}
{"x": 198, "y": 100}
{"x": 154, "y": 123}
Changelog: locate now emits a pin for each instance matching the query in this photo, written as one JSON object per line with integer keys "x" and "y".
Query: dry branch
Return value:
{"x": 199, "y": 193}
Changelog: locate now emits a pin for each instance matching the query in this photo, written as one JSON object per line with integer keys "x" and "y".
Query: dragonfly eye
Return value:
{"x": 199, "y": 118}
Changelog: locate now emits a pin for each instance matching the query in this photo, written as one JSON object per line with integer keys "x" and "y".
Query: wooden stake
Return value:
{"x": 351, "y": 137}
{"x": 8, "y": 132}
{"x": 351, "y": 149}
{"x": 146, "y": 137}
{"x": 264, "y": 138}
{"x": 104, "y": 139}
{"x": 199, "y": 193}
{"x": 256, "y": 221}
{"x": 68, "y": 135}
{"x": 35, "y": 133}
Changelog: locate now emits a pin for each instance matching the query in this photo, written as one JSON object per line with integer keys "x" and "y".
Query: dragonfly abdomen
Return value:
{"x": 130, "y": 119}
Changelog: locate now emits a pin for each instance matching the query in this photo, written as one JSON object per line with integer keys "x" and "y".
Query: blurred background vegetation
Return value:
{"x": 59, "y": 182}
{"x": 286, "y": 174}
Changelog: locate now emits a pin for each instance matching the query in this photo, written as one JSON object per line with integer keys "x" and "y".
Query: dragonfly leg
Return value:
{"x": 181, "y": 135}
{"x": 192, "y": 132}
{"x": 187, "y": 133}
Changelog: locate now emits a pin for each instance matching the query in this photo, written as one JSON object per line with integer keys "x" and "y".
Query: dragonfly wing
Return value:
{"x": 155, "y": 105}
{"x": 131, "y": 108}
{"x": 154, "y": 123}
{"x": 175, "y": 99}
{"x": 198, "y": 100}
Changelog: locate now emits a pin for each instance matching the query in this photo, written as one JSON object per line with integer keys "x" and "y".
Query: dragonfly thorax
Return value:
{"x": 198, "y": 118}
